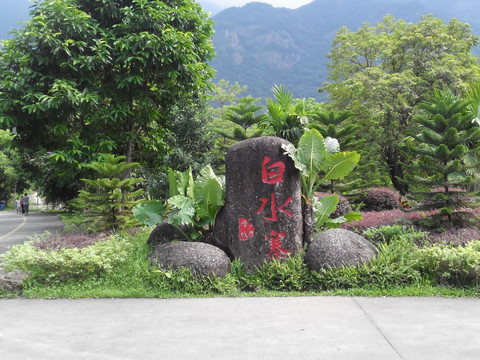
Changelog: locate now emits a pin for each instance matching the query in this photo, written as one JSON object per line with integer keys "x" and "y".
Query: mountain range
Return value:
{"x": 259, "y": 45}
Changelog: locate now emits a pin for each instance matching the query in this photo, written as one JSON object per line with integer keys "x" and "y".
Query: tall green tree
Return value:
{"x": 223, "y": 95}
{"x": 288, "y": 118}
{"x": 382, "y": 72}
{"x": 446, "y": 152}
{"x": 245, "y": 115}
{"x": 107, "y": 198}
{"x": 90, "y": 76}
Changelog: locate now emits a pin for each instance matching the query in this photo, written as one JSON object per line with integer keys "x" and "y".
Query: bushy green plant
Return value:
{"x": 109, "y": 199}
{"x": 394, "y": 232}
{"x": 281, "y": 275}
{"x": 315, "y": 164}
{"x": 450, "y": 265}
{"x": 193, "y": 203}
{"x": 60, "y": 265}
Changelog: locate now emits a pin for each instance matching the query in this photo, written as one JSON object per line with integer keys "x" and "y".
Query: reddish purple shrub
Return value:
{"x": 455, "y": 236}
{"x": 379, "y": 199}
{"x": 68, "y": 241}
{"x": 343, "y": 206}
{"x": 387, "y": 217}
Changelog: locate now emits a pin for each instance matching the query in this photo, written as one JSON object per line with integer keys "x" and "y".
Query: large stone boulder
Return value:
{"x": 262, "y": 217}
{"x": 202, "y": 259}
{"x": 11, "y": 282}
{"x": 338, "y": 247}
{"x": 164, "y": 233}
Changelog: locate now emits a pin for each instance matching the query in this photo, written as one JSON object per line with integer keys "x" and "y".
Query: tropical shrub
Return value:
{"x": 72, "y": 263}
{"x": 379, "y": 199}
{"x": 108, "y": 199}
{"x": 450, "y": 265}
{"x": 193, "y": 203}
{"x": 316, "y": 164}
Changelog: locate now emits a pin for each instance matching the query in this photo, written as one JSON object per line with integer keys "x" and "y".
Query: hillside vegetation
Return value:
{"x": 259, "y": 45}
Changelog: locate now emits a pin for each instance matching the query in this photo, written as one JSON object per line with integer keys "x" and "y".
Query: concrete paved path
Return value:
{"x": 241, "y": 328}
{"x": 17, "y": 228}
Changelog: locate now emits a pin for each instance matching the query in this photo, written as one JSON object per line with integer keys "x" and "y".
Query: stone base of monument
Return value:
{"x": 200, "y": 258}
{"x": 335, "y": 248}
{"x": 331, "y": 248}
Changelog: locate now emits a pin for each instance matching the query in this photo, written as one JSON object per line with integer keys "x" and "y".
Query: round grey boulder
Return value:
{"x": 202, "y": 259}
{"x": 335, "y": 248}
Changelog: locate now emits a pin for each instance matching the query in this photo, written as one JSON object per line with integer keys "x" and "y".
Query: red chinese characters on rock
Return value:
{"x": 276, "y": 250}
{"x": 245, "y": 229}
{"x": 272, "y": 173}
{"x": 274, "y": 208}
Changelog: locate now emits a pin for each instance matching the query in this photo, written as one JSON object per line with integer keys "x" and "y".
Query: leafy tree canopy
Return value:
{"x": 382, "y": 72}
{"x": 90, "y": 76}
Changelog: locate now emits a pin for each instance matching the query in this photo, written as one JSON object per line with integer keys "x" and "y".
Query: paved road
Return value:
{"x": 307, "y": 328}
{"x": 16, "y": 228}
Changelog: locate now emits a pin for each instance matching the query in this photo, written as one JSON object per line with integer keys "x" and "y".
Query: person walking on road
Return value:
{"x": 25, "y": 203}
{"x": 18, "y": 205}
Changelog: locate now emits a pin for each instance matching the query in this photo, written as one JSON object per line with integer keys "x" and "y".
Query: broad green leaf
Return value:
{"x": 172, "y": 183}
{"x": 149, "y": 213}
{"x": 183, "y": 181}
{"x": 291, "y": 151}
{"x": 191, "y": 184}
{"x": 311, "y": 151}
{"x": 353, "y": 216}
{"x": 208, "y": 192}
{"x": 183, "y": 212}
{"x": 323, "y": 208}
{"x": 339, "y": 165}
{"x": 212, "y": 198}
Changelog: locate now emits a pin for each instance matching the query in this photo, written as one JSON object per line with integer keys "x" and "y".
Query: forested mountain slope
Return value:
{"x": 259, "y": 45}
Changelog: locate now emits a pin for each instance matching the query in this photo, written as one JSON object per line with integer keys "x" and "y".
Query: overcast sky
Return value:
{"x": 292, "y": 4}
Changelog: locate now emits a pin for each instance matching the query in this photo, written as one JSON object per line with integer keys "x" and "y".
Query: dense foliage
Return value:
{"x": 383, "y": 72}
{"x": 126, "y": 271}
{"x": 90, "y": 76}
{"x": 107, "y": 198}
{"x": 12, "y": 176}
{"x": 447, "y": 151}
